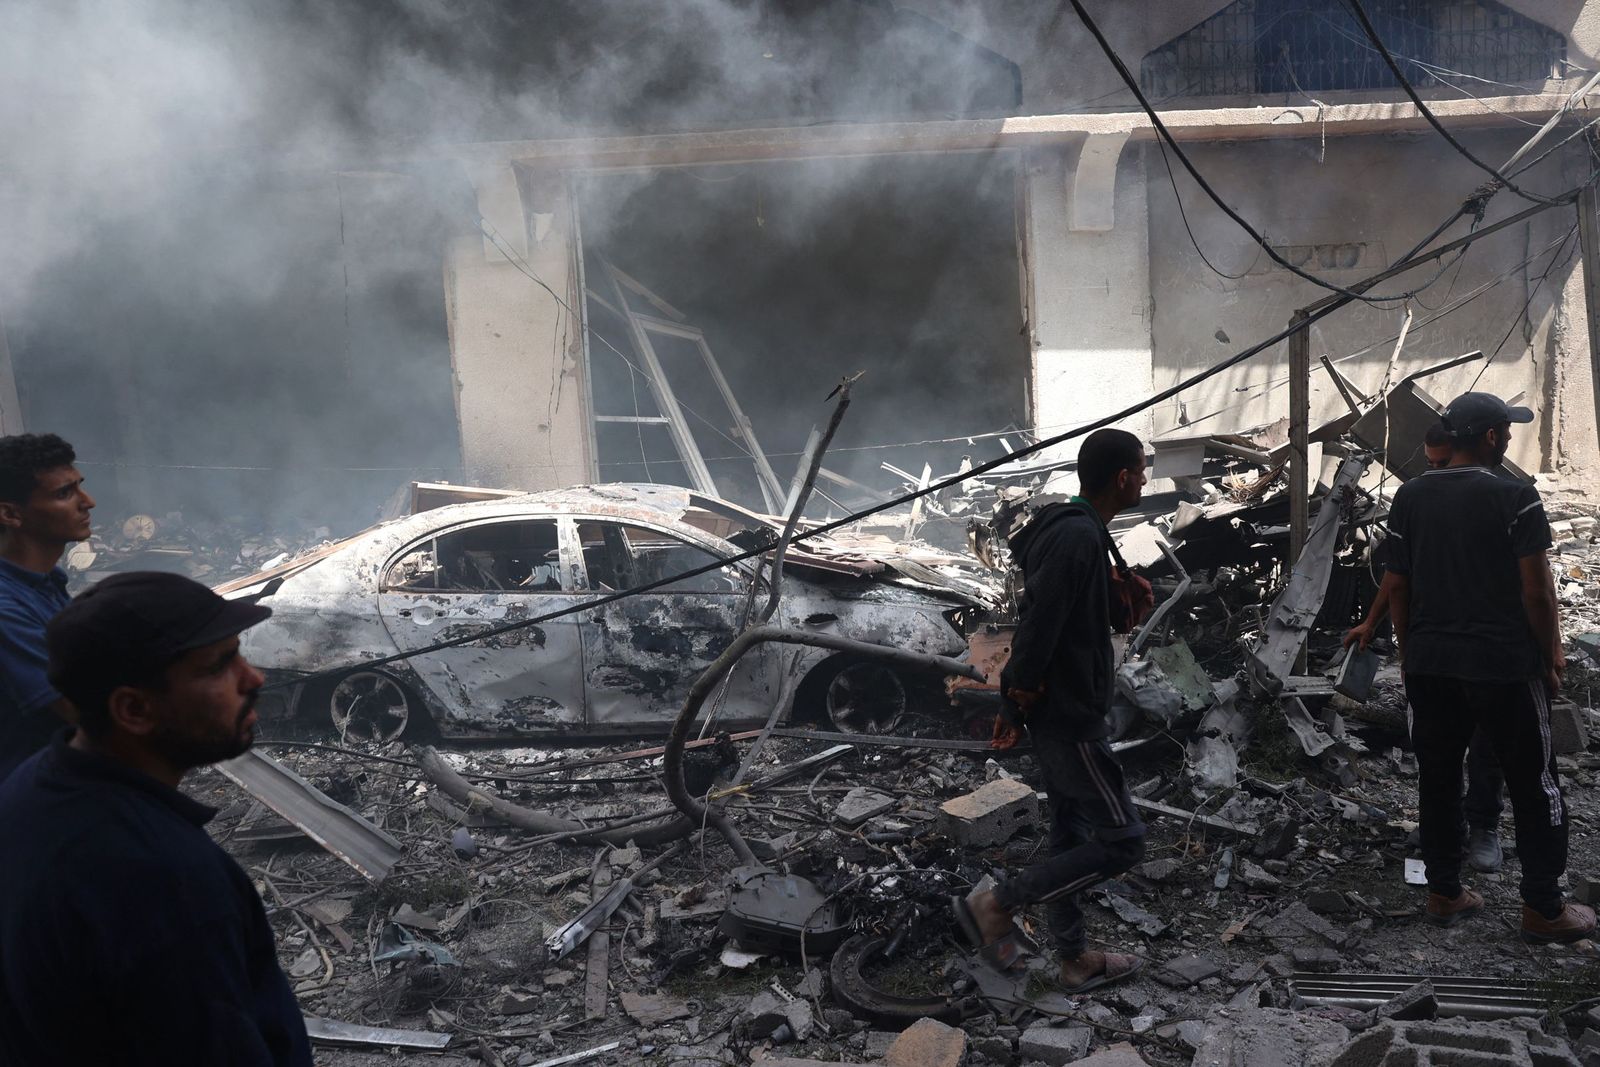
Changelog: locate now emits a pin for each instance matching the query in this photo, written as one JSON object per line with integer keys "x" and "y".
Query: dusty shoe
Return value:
{"x": 1443, "y": 911}
{"x": 1575, "y": 923}
{"x": 1483, "y": 850}
{"x": 1112, "y": 967}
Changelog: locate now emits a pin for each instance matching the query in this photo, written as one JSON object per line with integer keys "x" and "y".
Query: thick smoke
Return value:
{"x": 222, "y": 225}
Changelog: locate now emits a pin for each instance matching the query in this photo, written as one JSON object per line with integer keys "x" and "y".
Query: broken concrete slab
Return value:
{"x": 1159, "y": 870}
{"x": 1268, "y": 1037}
{"x": 1185, "y": 971}
{"x": 1298, "y": 925}
{"x": 990, "y": 814}
{"x": 653, "y": 1009}
{"x": 927, "y": 1043}
{"x": 1054, "y": 1045}
{"x": 861, "y": 804}
{"x": 1418, "y": 1002}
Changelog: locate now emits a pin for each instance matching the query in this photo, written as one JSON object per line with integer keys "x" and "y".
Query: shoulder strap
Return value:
{"x": 1105, "y": 534}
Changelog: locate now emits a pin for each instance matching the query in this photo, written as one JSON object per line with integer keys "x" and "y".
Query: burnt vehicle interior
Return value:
{"x": 516, "y": 556}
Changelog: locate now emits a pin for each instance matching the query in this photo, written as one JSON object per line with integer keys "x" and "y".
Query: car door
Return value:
{"x": 641, "y": 654}
{"x": 473, "y": 577}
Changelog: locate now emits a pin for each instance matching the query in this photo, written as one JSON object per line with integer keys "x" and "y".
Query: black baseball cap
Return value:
{"x": 129, "y": 626}
{"x": 1470, "y": 414}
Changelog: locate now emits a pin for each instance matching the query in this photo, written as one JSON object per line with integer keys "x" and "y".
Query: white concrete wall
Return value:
{"x": 516, "y": 353}
{"x": 1381, "y": 192}
{"x": 1088, "y": 297}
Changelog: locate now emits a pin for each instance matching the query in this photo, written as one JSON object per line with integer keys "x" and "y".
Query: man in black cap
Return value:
{"x": 1474, "y": 609}
{"x": 126, "y": 934}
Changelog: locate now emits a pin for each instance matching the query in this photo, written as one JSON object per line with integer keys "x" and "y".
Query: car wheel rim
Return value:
{"x": 368, "y": 706}
{"x": 866, "y": 698}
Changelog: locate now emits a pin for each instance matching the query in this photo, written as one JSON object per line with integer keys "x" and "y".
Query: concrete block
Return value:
{"x": 989, "y": 814}
{"x": 1451, "y": 1043}
{"x": 1585, "y": 890}
{"x": 878, "y": 1042}
{"x": 1293, "y": 925}
{"x": 1054, "y": 1045}
{"x": 1568, "y": 731}
{"x": 927, "y": 1043}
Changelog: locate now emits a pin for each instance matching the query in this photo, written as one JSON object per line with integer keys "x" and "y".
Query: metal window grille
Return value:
{"x": 1275, "y": 47}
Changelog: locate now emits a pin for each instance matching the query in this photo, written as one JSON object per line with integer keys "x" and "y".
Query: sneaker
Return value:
{"x": 1483, "y": 850}
{"x": 1445, "y": 911}
{"x": 1575, "y": 923}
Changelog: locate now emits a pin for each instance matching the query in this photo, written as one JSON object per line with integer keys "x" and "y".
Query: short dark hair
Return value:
{"x": 1103, "y": 455}
{"x": 1437, "y": 436}
{"x": 23, "y": 457}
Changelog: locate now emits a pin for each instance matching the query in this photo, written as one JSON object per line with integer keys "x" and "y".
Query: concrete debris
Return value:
{"x": 1184, "y": 971}
{"x": 1055, "y": 1045}
{"x": 927, "y": 1043}
{"x": 861, "y": 804}
{"x": 1418, "y": 1002}
{"x": 990, "y": 814}
{"x": 1268, "y": 1037}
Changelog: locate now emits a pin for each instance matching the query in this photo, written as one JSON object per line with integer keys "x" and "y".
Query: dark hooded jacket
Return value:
{"x": 1063, "y": 639}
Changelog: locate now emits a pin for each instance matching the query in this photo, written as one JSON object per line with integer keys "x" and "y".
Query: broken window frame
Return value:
{"x": 639, "y": 327}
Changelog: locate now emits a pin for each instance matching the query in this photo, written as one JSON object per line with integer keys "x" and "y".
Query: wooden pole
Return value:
{"x": 1589, "y": 239}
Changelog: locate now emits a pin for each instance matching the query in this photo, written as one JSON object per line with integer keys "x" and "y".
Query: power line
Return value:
{"x": 1474, "y": 205}
{"x": 1394, "y": 67}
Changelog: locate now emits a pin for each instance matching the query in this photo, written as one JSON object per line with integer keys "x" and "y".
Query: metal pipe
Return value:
{"x": 703, "y": 814}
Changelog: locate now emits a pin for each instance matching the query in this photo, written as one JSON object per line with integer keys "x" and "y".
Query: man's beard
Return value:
{"x": 188, "y": 750}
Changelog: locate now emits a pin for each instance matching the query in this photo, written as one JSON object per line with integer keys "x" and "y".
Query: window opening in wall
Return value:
{"x": 1275, "y": 47}
{"x": 756, "y": 287}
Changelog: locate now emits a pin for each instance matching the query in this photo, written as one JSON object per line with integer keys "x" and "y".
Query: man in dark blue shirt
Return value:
{"x": 1474, "y": 609}
{"x": 127, "y": 936}
{"x": 43, "y": 509}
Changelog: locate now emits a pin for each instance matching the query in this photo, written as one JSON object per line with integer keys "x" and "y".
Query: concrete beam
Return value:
{"x": 1094, "y": 182}
{"x": 1023, "y": 131}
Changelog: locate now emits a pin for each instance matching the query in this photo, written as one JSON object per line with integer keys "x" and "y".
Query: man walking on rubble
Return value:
{"x": 43, "y": 509}
{"x": 127, "y": 935}
{"x": 1485, "y": 784}
{"x": 1059, "y": 683}
{"x": 1475, "y": 617}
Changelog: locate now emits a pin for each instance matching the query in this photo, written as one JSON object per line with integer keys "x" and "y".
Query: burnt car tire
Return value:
{"x": 374, "y": 706}
{"x": 854, "y": 696}
{"x": 853, "y": 988}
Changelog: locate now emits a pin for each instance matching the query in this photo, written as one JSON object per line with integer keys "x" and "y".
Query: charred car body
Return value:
{"x": 619, "y": 668}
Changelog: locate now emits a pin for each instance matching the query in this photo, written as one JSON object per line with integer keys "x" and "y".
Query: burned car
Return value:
{"x": 620, "y": 668}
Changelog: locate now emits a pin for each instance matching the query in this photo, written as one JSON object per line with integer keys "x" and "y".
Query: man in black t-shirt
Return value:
{"x": 1474, "y": 609}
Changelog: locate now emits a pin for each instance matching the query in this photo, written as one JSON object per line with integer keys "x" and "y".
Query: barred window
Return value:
{"x": 1275, "y": 47}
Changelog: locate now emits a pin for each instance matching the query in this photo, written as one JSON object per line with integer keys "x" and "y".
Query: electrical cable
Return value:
{"x": 1412, "y": 259}
{"x": 1474, "y": 205}
{"x": 1394, "y": 67}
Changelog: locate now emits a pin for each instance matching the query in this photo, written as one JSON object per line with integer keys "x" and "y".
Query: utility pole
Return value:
{"x": 1299, "y": 437}
{"x": 1589, "y": 240}
{"x": 1300, "y": 480}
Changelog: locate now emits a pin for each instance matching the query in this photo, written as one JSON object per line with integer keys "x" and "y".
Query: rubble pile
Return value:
{"x": 1292, "y": 936}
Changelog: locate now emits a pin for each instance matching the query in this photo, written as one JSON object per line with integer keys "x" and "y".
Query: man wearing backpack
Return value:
{"x": 1058, "y": 683}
